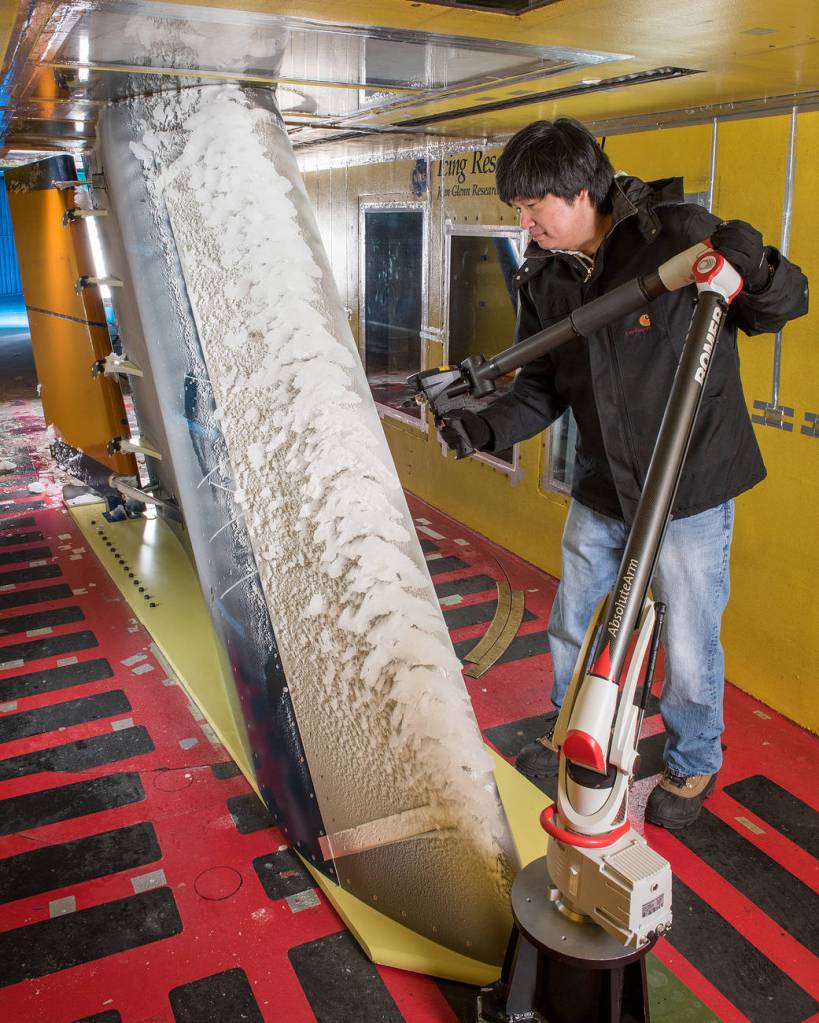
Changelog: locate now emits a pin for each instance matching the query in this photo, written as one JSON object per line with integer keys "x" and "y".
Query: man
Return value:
{"x": 591, "y": 231}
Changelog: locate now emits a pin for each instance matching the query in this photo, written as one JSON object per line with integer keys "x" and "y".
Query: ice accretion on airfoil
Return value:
{"x": 320, "y": 497}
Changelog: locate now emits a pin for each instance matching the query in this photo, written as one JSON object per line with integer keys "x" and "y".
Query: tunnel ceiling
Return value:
{"x": 355, "y": 76}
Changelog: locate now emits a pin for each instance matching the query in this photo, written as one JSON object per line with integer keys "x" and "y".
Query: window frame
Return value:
{"x": 365, "y": 206}
{"x": 384, "y": 95}
{"x": 452, "y": 228}
{"x": 548, "y": 483}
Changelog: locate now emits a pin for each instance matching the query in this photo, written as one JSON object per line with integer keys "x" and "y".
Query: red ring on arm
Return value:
{"x": 572, "y": 838}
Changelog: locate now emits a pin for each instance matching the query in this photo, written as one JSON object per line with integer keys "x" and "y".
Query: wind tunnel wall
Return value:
{"x": 360, "y": 730}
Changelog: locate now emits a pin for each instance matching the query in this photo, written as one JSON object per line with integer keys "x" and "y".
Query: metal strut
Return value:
{"x": 89, "y": 281}
{"x": 115, "y": 365}
{"x": 136, "y": 445}
{"x": 75, "y": 214}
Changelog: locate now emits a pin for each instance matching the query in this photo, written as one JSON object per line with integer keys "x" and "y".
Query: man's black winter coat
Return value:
{"x": 617, "y": 381}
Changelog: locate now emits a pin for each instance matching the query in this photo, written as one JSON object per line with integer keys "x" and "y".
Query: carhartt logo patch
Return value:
{"x": 641, "y": 327}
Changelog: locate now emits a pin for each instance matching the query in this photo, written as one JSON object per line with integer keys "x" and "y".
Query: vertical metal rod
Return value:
{"x": 787, "y": 210}
{"x": 625, "y": 602}
{"x": 648, "y": 683}
{"x": 784, "y": 245}
{"x": 713, "y": 170}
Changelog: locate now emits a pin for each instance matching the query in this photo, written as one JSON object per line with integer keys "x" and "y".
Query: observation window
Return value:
{"x": 482, "y": 302}
{"x": 393, "y": 303}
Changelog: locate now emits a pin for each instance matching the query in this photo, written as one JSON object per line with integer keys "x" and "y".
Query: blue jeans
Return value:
{"x": 692, "y": 579}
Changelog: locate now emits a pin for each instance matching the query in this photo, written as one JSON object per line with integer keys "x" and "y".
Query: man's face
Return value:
{"x": 555, "y": 223}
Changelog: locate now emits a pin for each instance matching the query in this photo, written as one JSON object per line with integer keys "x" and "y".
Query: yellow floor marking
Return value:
{"x": 504, "y": 639}
{"x": 496, "y": 626}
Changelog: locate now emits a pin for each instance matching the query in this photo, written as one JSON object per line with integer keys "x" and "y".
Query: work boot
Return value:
{"x": 538, "y": 760}
{"x": 676, "y": 801}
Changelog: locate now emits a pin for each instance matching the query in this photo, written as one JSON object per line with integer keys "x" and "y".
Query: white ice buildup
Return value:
{"x": 377, "y": 689}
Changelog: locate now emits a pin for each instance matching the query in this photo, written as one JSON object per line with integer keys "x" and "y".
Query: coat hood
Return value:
{"x": 648, "y": 194}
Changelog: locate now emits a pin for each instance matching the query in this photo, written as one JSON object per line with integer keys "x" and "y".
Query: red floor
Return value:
{"x": 192, "y": 909}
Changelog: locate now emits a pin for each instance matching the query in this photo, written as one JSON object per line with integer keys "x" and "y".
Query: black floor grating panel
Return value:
{"x": 461, "y": 998}
{"x": 773, "y": 889}
{"x": 39, "y": 595}
{"x": 48, "y": 680}
{"x": 531, "y": 645}
{"x": 15, "y": 539}
{"x": 88, "y": 934}
{"x": 82, "y": 755}
{"x": 20, "y": 554}
{"x": 58, "y": 716}
{"x": 249, "y": 812}
{"x": 749, "y": 980}
{"x": 439, "y": 566}
{"x": 84, "y": 859}
{"x": 109, "y": 1016}
{"x": 282, "y": 874}
{"x": 651, "y": 750}
{"x": 66, "y": 802}
{"x": 341, "y": 983}
{"x": 216, "y": 999}
{"x": 474, "y": 614}
{"x": 49, "y": 619}
{"x": 23, "y": 506}
{"x": 509, "y": 739}
{"x": 29, "y": 575}
{"x": 463, "y": 587}
{"x": 17, "y": 523}
{"x": 49, "y": 646}
{"x": 12, "y": 495}
{"x": 779, "y": 808}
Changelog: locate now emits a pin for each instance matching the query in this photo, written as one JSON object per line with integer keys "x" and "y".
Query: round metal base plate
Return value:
{"x": 541, "y": 922}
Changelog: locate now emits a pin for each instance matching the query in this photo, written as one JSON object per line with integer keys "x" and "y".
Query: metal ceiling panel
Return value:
{"x": 136, "y": 33}
{"x": 90, "y": 50}
{"x": 512, "y": 7}
{"x": 454, "y": 68}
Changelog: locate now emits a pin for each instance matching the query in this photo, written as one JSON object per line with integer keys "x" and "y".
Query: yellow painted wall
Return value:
{"x": 770, "y": 630}
{"x": 770, "y": 633}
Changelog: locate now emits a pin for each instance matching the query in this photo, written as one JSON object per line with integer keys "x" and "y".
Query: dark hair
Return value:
{"x": 554, "y": 158}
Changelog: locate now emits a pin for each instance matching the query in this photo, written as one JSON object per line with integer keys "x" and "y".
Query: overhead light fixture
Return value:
{"x": 83, "y": 56}
{"x": 96, "y": 252}
{"x": 659, "y": 74}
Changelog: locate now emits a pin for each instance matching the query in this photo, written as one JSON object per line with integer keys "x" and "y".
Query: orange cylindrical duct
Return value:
{"x": 68, "y": 329}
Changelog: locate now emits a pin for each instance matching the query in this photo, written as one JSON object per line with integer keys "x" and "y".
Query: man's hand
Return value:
{"x": 465, "y": 431}
{"x": 742, "y": 246}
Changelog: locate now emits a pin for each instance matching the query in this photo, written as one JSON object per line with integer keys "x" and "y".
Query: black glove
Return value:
{"x": 465, "y": 431}
{"x": 742, "y": 246}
